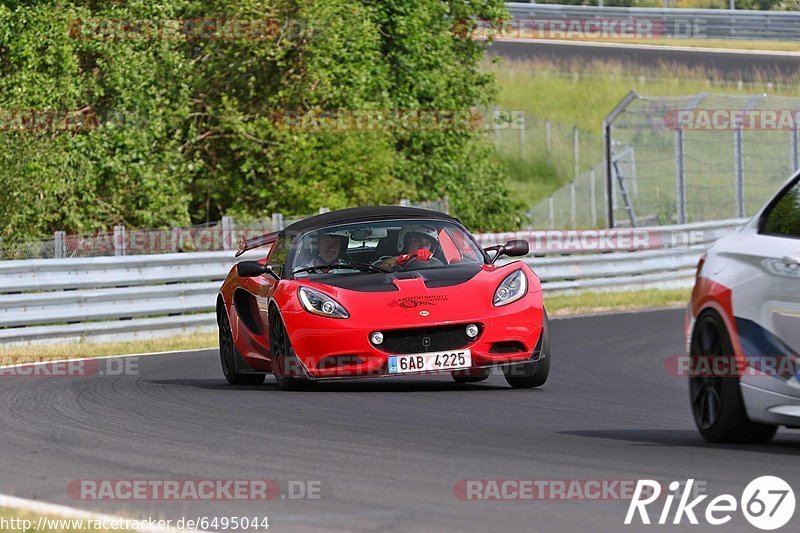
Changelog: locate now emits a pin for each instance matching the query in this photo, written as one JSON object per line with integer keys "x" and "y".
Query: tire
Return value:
{"x": 716, "y": 401}
{"x": 531, "y": 375}
{"x": 284, "y": 361}
{"x": 228, "y": 355}
{"x": 470, "y": 376}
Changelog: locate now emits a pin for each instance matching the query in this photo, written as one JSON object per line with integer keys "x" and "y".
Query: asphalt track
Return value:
{"x": 387, "y": 452}
{"x": 731, "y": 65}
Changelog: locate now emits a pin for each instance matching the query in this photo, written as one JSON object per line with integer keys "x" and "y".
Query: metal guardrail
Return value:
{"x": 678, "y": 23}
{"x": 125, "y": 297}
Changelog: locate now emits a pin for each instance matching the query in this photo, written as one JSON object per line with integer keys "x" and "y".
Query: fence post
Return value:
{"x": 176, "y": 239}
{"x": 277, "y": 221}
{"x": 548, "y": 142}
{"x": 592, "y": 194}
{"x": 60, "y": 251}
{"x": 573, "y": 215}
{"x": 795, "y": 154}
{"x": 226, "y": 225}
{"x": 576, "y": 152}
{"x": 521, "y": 127}
{"x": 120, "y": 244}
{"x": 680, "y": 177}
{"x": 608, "y": 169}
{"x": 738, "y": 159}
{"x": 551, "y": 215}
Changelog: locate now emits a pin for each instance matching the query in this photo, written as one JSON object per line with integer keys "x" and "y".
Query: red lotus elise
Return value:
{"x": 377, "y": 292}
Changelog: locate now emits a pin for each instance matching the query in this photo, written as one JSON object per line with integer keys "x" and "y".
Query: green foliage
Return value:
{"x": 185, "y": 129}
{"x": 784, "y": 219}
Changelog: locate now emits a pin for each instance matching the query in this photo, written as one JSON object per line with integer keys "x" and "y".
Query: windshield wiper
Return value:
{"x": 362, "y": 267}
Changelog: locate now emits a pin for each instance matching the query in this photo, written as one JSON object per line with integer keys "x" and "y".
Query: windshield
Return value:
{"x": 386, "y": 246}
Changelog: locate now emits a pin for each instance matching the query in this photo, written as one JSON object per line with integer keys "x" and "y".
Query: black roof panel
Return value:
{"x": 361, "y": 214}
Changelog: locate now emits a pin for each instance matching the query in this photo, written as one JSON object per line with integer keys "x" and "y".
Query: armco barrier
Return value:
{"x": 675, "y": 23}
{"x": 125, "y": 297}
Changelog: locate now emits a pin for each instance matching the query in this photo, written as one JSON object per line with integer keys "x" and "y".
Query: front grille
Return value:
{"x": 421, "y": 340}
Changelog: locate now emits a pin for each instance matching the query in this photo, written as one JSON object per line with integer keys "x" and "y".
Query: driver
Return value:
{"x": 418, "y": 244}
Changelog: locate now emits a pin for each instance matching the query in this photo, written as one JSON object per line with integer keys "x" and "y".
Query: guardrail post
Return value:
{"x": 120, "y": 240}
{"x": 680, "y": 177}
{"x": 551, "y": 213}
{"x": 226, "y": 225}
{"x": 548, "y": 141}
{"x": 738, "y": 159}
{"x": 573, "y": 215}
{"x": 277, "y": 221}
{"x": 60, "y": 245}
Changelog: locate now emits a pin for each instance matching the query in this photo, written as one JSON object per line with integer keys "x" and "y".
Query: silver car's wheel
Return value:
{"x": 717, "y": 404}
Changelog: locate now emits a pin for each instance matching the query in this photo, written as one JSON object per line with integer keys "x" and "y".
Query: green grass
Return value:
{"x": 600, "y": 302}
{"x": 583, "y": 93}
{"x": 521, "y": 170}
{"x": 11, "y": 354}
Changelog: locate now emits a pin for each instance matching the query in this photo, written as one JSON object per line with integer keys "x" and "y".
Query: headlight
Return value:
{"x": 512, "y": 289}
{"x": 320, "y": 304}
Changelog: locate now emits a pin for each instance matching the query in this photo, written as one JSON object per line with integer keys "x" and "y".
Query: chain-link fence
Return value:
{"x": 543, "y": 147}
{"x": 697, "y": 158}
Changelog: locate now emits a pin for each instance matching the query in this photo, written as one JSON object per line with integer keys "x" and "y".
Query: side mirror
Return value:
{"x": 513, "y": 248}
{"x": 253, "y": 269}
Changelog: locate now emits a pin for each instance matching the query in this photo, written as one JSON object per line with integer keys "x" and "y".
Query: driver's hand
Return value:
{"x": 419, "y": 255}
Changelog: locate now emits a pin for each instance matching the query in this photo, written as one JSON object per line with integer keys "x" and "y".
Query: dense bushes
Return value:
{"x": 185, "y": 130}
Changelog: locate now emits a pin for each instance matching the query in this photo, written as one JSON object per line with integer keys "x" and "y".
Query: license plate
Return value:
{"x": 427, "y": 362}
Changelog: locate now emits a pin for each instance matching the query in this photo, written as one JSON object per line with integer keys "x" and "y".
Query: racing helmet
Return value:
{"x": 425, "y": 231}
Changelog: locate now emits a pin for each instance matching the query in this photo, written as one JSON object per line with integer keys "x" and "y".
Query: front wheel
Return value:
{"x": 717, "y": 404}
{"x": 529, "y": 375}
{"x": 228, "y": 354}
{"x": 284, "y": 362}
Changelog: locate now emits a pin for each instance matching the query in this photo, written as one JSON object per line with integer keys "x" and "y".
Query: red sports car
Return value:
{"x": 377, "y": 292}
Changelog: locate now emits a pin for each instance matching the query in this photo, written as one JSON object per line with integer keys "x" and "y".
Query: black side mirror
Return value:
{"x": 513, "y": 248}
{"x": 253, "y": 269}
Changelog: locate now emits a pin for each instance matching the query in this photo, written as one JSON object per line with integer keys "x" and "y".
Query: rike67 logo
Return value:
{"x": 767, "y": 502}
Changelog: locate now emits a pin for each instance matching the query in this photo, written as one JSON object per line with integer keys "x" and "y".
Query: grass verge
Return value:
{"x": 73, "y": 350}
{"x": 602, "y": 302}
